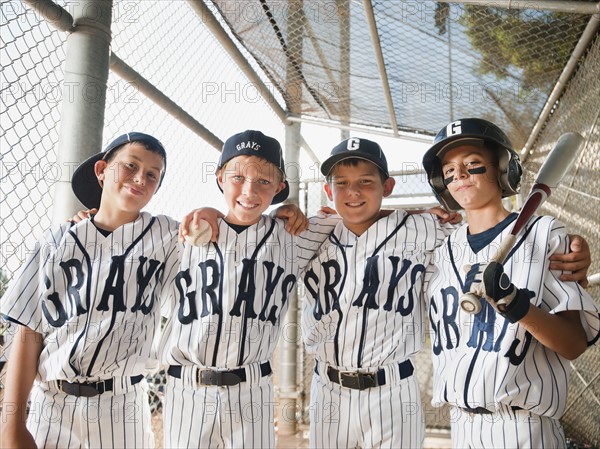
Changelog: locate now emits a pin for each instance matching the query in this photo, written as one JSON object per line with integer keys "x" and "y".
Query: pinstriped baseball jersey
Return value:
{"x": 363, "y": 306}
{"x": 483, "y": 360}
{"x": 95, "y": 299}
{"x": 232, "y": 296}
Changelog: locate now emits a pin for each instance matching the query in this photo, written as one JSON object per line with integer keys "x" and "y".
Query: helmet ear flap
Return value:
{"x": 510, "y": 172}
{"x": 440, "y": 190}
{"x": 515, "y": 171}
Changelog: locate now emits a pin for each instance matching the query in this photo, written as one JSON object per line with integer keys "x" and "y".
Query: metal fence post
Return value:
{"x": 290, "y": 338}
{"x": 84, "y": 96}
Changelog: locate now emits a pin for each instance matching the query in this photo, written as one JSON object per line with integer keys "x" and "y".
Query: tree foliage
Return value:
{"x": 530, "y": 44}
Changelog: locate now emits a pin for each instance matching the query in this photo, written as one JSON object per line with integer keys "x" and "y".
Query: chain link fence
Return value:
{"x": 443, "y": 61}
{"x": 489, "y": 62}
{"x": 32, "y": 90}
{"x": 576, "y": 202}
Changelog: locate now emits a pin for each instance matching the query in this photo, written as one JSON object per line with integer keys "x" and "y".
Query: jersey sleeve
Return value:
{"x": 448, "y": 228}
{"x": 435, "y": 232}
{"x": 21, "y": 303}
{"x": 570, "y": 295}
{"x": 310, "y": 240}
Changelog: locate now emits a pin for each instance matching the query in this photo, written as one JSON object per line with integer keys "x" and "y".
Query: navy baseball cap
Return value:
{"x": 84, "y": 183}
{"x": 255, "y": 143}
{"x": 355, "y": 148}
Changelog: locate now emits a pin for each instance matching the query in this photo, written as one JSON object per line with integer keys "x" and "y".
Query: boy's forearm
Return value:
{"x": 22, "y": 369}
{"x": 561, "y": 332}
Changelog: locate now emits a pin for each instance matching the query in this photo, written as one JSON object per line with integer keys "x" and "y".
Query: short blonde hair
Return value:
{"x": 280, "y": 175}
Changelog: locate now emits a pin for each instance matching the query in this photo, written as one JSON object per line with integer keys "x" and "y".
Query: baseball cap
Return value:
{"x": 84, "y": 183}
{"x": 255, "y": 143}
{"x": 355, "y": 148}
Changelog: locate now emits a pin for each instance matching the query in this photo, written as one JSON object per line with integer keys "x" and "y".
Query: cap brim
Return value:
{"x": 282, "y": 196}
{"x": 85, "y": 184}
{"x": 330, "y": 162}
{"x": 440, "y": 149}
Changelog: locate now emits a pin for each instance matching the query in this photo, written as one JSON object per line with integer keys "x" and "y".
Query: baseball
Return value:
{"x": 199, "y": 236}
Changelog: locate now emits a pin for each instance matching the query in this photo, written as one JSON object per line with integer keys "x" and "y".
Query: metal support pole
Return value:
{"x": 84, "y": 97}
{"x": 212, "y": 23}
{"x": 290, "y": 338}
{"x": 413, "y": 137}
{"x": 288, "y": 365}
{"x": 56, "y": 16}
{"x": 385, "y": 81}
{"x": 574, "y": 7}
{"x": 119, "y": 67}
{"x": 343, "y": 7}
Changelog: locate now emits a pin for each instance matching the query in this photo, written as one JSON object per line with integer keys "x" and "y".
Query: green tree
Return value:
{"x": 530, "y": 45}
{"x": 536, "y": 43}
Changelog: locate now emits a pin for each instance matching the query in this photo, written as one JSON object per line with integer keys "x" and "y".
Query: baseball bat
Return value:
{"x": 554, "y": 168}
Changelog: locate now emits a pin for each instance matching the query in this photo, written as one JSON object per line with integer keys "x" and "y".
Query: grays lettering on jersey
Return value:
{"x": 485, "y": 361}
{"x": 221, "y": 318}
{"x": 230, "y": 299}
{"x": 374, "y": 280}
{"x": 364, "y": 311}
{"x": 95, "y": 298}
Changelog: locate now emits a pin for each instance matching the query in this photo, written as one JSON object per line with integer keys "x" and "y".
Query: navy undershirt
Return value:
{"x": 479, "y": 241}
{"x": 238, "y": 228}
{"x": 104, "y": 232}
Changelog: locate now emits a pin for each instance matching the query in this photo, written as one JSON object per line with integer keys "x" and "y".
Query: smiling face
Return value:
{"x": 471, "y": 176}
{"x": 249, "y": 184}
{"x": 357, "y": 191}
{"x": 129, "y": 178}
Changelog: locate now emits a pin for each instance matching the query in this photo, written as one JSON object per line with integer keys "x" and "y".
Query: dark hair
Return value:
{"x": 111, "y": 155}
{"x": 353, "y": 162}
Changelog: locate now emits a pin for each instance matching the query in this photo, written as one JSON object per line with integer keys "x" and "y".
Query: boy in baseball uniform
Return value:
{"x": 504, "y": 370}
{"x": 87, "y": 308}
{"x": 231, "y": 296}
{"x": 362, "y": 315}
{"x": 363, "y": 311}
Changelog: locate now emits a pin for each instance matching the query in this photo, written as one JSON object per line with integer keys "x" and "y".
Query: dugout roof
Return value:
{"x": 411, "y": 66}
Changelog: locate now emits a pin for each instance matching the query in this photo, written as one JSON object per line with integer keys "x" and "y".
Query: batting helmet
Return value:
{"x": 472, "y": 131}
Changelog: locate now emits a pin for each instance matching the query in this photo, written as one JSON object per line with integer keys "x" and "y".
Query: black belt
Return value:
{"x": 90, "y": 389}
{"x": 485, "y": 411}
{"x": 220, "y": 378}
{"x": 362, "y": 381}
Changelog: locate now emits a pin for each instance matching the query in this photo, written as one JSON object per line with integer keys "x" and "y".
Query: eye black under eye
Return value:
{"x": 477, "y": 170}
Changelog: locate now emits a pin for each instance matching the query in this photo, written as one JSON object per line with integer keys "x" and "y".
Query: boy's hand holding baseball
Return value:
{"x": 492, "y": 283}
{"x": 191, "y": 223}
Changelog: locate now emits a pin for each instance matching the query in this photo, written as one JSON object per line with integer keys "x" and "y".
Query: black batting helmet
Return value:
{"x": 472, "y": 131}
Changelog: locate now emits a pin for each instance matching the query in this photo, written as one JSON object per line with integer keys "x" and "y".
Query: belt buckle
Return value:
{"x": 101, "y": 387}
{"x": 78, "y": 389}
{"x": 351, "y": 376}
{"x": 209, "y": 377}
{"x": 356, "y": 380}
{"x": 218, "y": 378}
